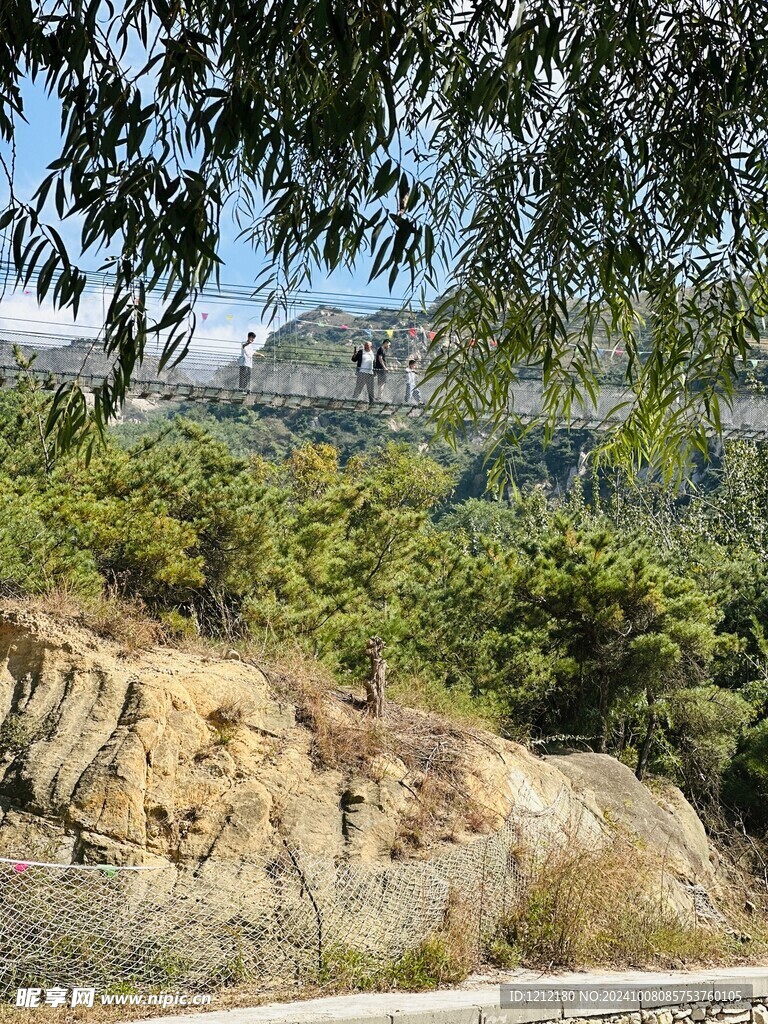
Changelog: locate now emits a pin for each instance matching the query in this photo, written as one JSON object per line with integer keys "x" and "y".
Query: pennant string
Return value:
{"x": 21, "y": 865}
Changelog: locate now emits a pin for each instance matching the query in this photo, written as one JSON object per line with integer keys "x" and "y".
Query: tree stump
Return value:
{"x": 378, "y": 680}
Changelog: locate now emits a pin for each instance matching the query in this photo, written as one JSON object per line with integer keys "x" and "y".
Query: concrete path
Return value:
{"x": 482, "y": 1004}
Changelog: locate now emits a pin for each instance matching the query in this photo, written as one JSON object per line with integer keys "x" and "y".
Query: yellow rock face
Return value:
{"x": 172, "y": 757}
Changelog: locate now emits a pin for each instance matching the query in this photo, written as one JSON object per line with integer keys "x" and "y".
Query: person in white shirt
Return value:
{"x": 364, "y": 358}
{"x": 245, "y": 362}
{"x": 411, "y": 391}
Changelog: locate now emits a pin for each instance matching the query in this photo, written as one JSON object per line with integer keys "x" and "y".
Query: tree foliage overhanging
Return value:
{"x": 574, "y": 171}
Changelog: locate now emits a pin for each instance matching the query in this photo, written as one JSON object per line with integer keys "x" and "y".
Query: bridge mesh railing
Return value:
{"x": 280, "y": 919}
{"x": 211, "y": 377}
{"x": 202, "y": 375}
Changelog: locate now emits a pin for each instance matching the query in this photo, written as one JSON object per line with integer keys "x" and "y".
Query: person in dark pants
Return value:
{"x": 245, "y": 362}
{"x": 364, "y": 358}
{"x": 381, "y": 368}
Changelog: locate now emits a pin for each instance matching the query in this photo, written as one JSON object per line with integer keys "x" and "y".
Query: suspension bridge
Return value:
{"x": 212, "y": 377}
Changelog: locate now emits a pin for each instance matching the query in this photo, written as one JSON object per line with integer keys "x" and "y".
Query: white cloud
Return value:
{"x": 220, "y": 330}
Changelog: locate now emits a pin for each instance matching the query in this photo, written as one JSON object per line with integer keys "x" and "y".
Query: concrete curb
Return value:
{"x": 481, "y": 1005}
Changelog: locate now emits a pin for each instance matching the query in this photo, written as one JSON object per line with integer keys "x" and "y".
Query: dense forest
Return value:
{"x": 569, "y": 611}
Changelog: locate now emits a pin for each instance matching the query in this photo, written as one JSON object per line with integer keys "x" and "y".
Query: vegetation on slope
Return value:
{"x": 626, "y": 624}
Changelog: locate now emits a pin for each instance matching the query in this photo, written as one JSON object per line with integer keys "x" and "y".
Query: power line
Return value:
{"x": 81, "y": 327}
{"x": 97, "y": 281}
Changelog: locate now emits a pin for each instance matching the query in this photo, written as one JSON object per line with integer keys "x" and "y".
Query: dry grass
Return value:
{"x": 441, "y": 812}
{"x": 609, "y": 908}
{"x": 427, "y": 752}
{"x": 343, "y": 736}
{"x": 743, "y": 864}
{"x": 435, "y": 750}
{"x": 445, "y": 957}
{"x": 425, "y": 817}
{"x": 233, "y": 712}
{"x": 123, "y": 621}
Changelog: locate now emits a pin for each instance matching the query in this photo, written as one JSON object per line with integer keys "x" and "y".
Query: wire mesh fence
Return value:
{"x": 217, "y": 376}
{"x": 212, "y": 376}
{"x": 280, "y": 919}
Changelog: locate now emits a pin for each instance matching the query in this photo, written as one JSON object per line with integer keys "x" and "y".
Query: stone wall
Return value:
{"x": 742, "y": 1012}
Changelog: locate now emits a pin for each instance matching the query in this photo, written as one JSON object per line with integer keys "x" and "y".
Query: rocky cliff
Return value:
{"x": 174, "y": 757}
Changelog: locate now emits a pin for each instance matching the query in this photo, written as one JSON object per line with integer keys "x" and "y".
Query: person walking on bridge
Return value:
{"x": 381, "y": 367}
{"x": 364, "y": 358}
{"x": 412, "y": 392}
{"x": 245, "y": 362}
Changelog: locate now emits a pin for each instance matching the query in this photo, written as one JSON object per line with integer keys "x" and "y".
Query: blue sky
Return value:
{"x": 37, "y": 144}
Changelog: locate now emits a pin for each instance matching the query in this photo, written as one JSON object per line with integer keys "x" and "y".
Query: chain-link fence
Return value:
{"x": 278, "y": 920}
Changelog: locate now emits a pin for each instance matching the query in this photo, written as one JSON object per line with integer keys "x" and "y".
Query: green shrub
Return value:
{"x": 430, "y": 965}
